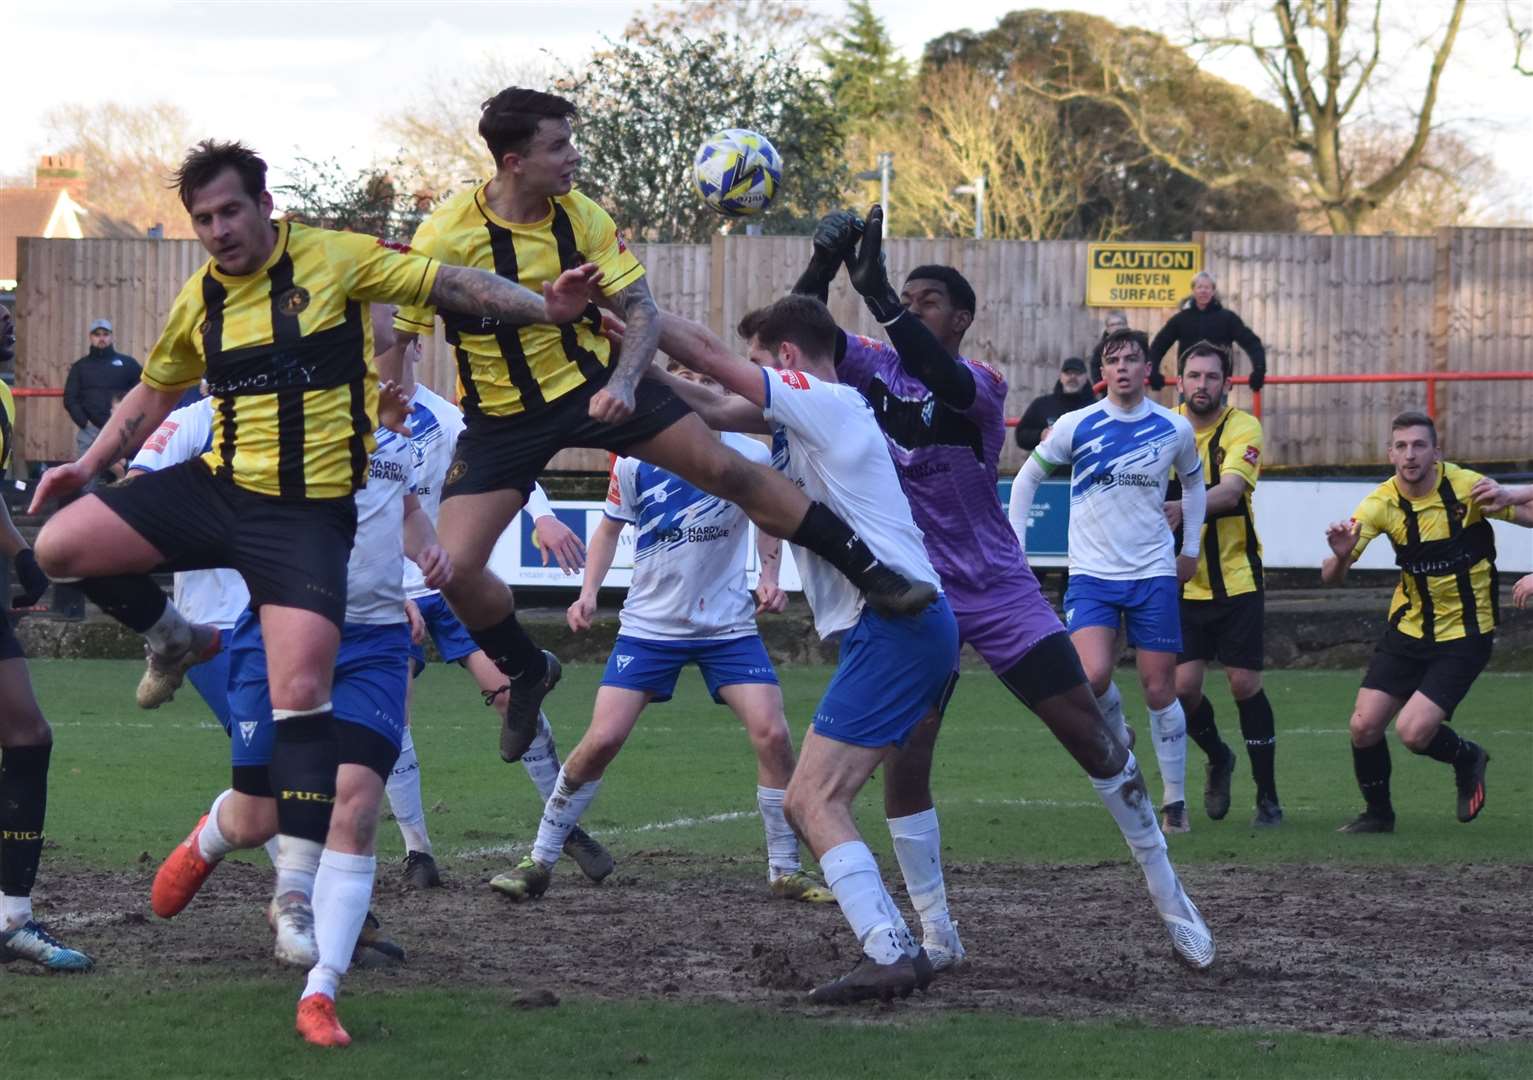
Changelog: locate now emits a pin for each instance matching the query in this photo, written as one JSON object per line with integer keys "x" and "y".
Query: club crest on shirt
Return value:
{"x": 293, "y": 301}
{"x": 457, "y": 471}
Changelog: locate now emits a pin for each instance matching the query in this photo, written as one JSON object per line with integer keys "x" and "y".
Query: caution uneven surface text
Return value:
{"x": 1140, "y": 275}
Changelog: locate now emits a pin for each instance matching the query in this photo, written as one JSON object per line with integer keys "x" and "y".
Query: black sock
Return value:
{"x": 304, "y": 757}
{"x": 1371, "y": 764}
{"x": 132, "y": 599}
{"x": 23, "y": 804}
{"x": 833, "y": 540}
{"x": 1202, "y": 730}
{"x": 1259, "y": 728}
{"x": 516, "y": 654}
{"x": 1447, "y": 747}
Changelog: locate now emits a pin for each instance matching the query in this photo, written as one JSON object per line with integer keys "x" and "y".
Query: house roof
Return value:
{"x": 51, "y": 214}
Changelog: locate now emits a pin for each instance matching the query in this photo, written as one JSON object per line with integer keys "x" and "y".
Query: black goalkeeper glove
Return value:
{"x": 1258, "y": 376}
{"x": 835, "y": 239}
{"x": 869, "y": 271}
{"x": 31, "y": 578}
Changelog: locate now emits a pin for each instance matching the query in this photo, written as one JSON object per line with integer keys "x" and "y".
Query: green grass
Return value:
{"x": 126, "y": 782}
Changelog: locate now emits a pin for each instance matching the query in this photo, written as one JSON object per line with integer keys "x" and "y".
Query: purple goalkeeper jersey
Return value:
{"x": 946, "y": 459}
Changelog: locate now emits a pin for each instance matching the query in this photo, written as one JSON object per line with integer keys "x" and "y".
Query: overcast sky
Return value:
{"x": 315, "y": 77}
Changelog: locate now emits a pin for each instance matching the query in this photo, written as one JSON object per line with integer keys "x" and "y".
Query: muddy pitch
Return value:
{"x": 1430, "y": 953}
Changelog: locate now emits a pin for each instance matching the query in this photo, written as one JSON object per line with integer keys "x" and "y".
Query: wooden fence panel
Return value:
{"x": 1461, "y": 300}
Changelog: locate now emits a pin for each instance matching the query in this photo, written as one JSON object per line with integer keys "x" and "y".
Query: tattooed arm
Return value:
{"x": 138, "y": 414}
{"x": 613, "y": 403}
{"x": 479, "y": 292}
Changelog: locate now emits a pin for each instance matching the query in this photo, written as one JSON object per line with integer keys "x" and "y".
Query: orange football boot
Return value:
{"x": 318, "y": 1024}
{"x": 180, "y": 876}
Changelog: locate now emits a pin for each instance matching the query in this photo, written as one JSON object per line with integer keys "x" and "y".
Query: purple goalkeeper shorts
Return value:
{"x": 1004, "y": 622}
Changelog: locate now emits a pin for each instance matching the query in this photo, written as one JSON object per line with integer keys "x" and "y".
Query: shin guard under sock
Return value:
{"x": 516, "y": 654}
{"x": 1202, "y": 730}
{"x": 23, "y": 806}
{"x": 132, "y": 599}
{"x": 304, "y": 758}
{"x": 1372, "y": 767}
{"x": 1259, "y": 728}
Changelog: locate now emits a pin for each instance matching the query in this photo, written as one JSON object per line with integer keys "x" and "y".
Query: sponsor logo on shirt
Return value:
{"x": 797, "y": 380}
{"x": 386, "y": 470}
{"x": 394, "y": 245}
{"x": 157, "y": 442}
{"x": 614, "y": 489}
{"x": 1251, "y": 454}
{"x": 987, "y": 369}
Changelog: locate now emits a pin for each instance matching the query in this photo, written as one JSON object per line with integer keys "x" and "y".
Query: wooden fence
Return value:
{"x": 1461, "y": 300}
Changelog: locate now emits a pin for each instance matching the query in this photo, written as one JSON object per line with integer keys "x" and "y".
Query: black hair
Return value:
{"x": 1138, "y": 337}
{"x": 1207, "y": 348}
{"x": 958, "y": 288}
{"x": 800, "y": 319}
{"x": 210, "y": 157}
{"x": 509, "y": 120}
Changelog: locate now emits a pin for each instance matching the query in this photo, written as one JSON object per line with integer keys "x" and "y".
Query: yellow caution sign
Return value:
{"x": 1140, "y": 275}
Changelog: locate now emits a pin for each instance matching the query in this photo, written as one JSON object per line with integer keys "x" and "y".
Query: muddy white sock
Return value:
{"x": 211, "y": 844}
{"x": 297, "y": 862}
{"x": 342, "y": 889}
{"x": 542, "y": 759}
{"x": 271, "y": 850}
{"x": 404, "y": 791}
{"x": 171, "y": 634}
{"x": 781, "y": 843}
{"x": 1111, "y": 704}
{"x": 1128, "y": 801}
{"x": 1169, "y": 727}
{"x": 15, "y": 911}
{"x": 561, "y": 813}
{"x": 852, "y": 874}
{"x": 918, "y": 847}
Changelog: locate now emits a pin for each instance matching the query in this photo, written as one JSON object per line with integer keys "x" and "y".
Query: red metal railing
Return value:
{"x": 1431, "y": 378}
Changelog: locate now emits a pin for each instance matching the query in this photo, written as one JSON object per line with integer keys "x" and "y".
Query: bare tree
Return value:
{"x": 1321, "y": 64}
{"x": 968, "y": 125}
{"x": 1453, "y": 185}
{"x": 752, "y": 23}
{"x": 129, "y": 154}
{"x": 1522, "y": 36}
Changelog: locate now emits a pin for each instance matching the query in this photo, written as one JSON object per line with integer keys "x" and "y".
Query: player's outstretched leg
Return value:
{"x": 917, "y": 840}
{"x": 404, "y": 793}
{"x": 23, "y": 806}
{"x": 171, "y": 644}
{"x": 1370, "y": 761}
{"x": 1168, "y": 729}
{"x": 1423, "y": 728}
{"x": 184, "y": 870}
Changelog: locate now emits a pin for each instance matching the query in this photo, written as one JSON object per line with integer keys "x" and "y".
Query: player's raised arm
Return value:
{"x": 1342, "y": 536}
{"x": 700, "y": 349}
{"x": 139, "y": 413}
{"x": 613, "y": 403}
{"x": 479, "y": 292}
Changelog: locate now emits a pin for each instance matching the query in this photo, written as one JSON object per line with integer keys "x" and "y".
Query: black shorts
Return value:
{"x": 1050, "y": 668}
{"x": 1442, "y": 672}
{"x": 1227, "y": 630}
{"x": 291, "y": 552}
{"x": 10, "y": 645}
{"x": 496, "y": 453}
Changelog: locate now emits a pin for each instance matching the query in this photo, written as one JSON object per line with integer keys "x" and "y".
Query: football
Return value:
{"x": 737, "y": 172}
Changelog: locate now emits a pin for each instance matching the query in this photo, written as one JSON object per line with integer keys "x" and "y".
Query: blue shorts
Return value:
{"x": 211, "y": 680}
{"x": 447, "y": 633}
{"x": 371, "y": 677}
{"x": 1151, "y": 606}
{"x": 892, "y": 672}
{"x": 645, "y": 664}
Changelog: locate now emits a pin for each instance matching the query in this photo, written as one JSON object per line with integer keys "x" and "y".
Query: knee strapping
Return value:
{"x": 304, "y": 758}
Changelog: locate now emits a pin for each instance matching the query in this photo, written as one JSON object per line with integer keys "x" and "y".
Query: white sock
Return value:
{"x": 1128, "y": 801}
{"x": 272, "y": 847}
{"x": 1111, "y": 704}
{"x": 15, "y": 911}
{"x": 1169, "y": 727}
{"x": 297, "y": 861}
{"x": 561, "y": 813}
{"x": 781, "y": 842}
{"x": 852, "y": 874}
{"x": 211, "y": 844}
{"x": 404, "y": 791}
{"x": 342, "y": 889}
{"x": 542, "y": 759}
{"x": 918, "y": 847}
{"x": 171, "y": 633}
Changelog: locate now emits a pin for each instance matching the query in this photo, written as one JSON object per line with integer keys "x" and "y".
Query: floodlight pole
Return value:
{"x": 977, "y": 189}
{"x": 884, "y": 174}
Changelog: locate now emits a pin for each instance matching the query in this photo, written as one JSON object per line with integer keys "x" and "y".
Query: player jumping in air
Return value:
{"x": 1222, "y": 605}
{"x": 688, "y": 603}
{"x": 943, "y": 418}
{"x": 893, "y": 671}
{"x": 1442, "y": 619}
{"x": 1123, "y": 562}
{"x": 530, "y": 391}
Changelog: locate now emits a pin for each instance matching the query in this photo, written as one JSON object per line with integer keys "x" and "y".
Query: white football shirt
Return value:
{"x": 375, "y": 572}
{"x": 691, "y": 550}
{"x": 825, "y": 438}
{"x": 214, "y": 597}
{"x": 1120, "y": 465}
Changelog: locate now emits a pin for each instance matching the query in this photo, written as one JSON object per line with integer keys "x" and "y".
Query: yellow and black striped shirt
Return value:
{"x": 7, "y": 426}
{"x": 1230, "y": 563}
{"x": 1446, "y": 553}
{"x": 287, "y": 351}
{"x": 505, "y": 369}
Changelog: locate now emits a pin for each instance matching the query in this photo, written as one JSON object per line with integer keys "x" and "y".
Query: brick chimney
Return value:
{"x": 65, "y": 172}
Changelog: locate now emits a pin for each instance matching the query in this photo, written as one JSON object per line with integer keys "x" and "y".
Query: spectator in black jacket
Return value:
{"x": 95, "y": 382}
{"x": 1071, "y": 392}
{"x": 1115, "y": 321}
{"x": 1203, "y": 318}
